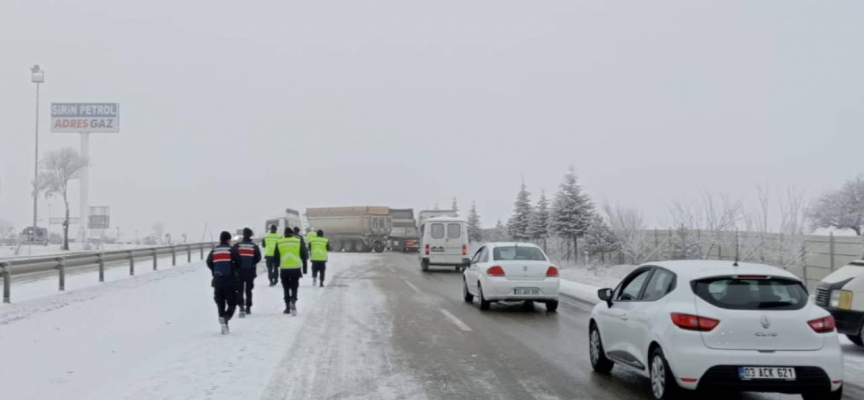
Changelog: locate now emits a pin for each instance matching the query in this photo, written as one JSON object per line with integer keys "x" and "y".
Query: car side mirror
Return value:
{"x": 605, "y": 295}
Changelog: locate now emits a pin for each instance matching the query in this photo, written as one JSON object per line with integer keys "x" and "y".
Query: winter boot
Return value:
{"x": 293, "y": 309}
{"x": 287, "y": 309}
{"x": 242, "y": 312}
{"x": 248, "y": 310}
{"x": 321, "y": 284}
{"x": 224, "y": 325}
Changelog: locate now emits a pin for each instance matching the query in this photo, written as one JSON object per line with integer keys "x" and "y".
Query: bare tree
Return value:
{"x": 629, "y": 229}
{"x": 716, "y": 215}
{"x": 841, "y": 209}
{"x": 57, "y": 169}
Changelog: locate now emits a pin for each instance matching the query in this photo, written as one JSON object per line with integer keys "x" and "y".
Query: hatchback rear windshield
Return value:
{"x": 518, "y": 253}
{"x": 740, "y": 293}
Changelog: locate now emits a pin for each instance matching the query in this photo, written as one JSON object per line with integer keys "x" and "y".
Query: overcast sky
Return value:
{"x": 232, "y": 111}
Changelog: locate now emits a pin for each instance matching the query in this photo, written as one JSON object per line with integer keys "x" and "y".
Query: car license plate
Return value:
{"x": 529, "y": 291}
{"x": 758, "y": 373}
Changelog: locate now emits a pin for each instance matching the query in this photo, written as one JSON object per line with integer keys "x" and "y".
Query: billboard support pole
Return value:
{"x": 84, "y": 212}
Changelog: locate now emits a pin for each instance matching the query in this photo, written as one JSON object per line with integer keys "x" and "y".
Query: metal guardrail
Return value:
{"x": 80, "y": 260}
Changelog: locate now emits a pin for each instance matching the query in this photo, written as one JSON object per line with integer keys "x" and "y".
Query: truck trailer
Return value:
{"x": 404, "y": 237}
{"x": 353, "y": 229}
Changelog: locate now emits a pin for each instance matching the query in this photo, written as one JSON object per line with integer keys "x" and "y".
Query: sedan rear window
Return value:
{"x": 760, "y": 293}
{"x": 509, "y": 253}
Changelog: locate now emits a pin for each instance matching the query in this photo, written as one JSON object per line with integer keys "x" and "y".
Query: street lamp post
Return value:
{"x": 37, "y": 76}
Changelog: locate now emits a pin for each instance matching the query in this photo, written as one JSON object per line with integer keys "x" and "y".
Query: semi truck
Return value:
{"x": 289, "y": 219}
{"x": 353, "y": 229}
{"x": 404, "y": 237}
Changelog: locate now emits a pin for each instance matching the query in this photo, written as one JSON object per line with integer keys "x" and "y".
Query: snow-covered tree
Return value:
{"x": 539, "y": 229}
{"x": 58, "y": 168}
{"x": 841, "y": 209}
{"x": 599, "y": 237}
{"x": 519, "y": 226}
{"x": 498, "y": 233}
{"x": 571, "y": 211}
{"x": 629, "y": 228}
{"x": 684, "y": 245}
{"x": 475, "y": 231}
{"x": 455, "y": 207}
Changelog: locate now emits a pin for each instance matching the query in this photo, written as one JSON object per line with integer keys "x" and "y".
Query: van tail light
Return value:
{"x": 823, "y": 325}
{"x": 428, "y": 250}
{"x": 464, "y": 250}
{"x": 495, "y": 270}
{"x": 552, "y": 272}
{"x": 694, "y": 322}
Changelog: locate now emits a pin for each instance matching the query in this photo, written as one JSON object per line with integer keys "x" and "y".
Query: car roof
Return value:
{"x": 512, "y": 244}
{"x": 445, "y": 219}
{"x": 698, "y": 269}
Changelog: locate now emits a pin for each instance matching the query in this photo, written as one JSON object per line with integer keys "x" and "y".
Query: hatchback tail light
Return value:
{"x": 464, "y": 250}
{"x": 694, "y": 322}
{"x": 823, "y": 325}
{"x": 552, "y": 272}
{"x": 495, "y": 270}
{"x": 428, "y": 250}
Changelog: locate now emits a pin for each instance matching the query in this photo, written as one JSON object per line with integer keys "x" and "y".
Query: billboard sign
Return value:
{"x": 85, "y": 117}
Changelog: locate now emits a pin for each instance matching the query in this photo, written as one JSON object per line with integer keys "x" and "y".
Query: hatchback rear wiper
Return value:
{"x": 775, "y": 304}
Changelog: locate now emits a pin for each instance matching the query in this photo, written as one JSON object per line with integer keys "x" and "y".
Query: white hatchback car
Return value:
{"x": 511, "y": 272}
{"x": 711, "y": 325}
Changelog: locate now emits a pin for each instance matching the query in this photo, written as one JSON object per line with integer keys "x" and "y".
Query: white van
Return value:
{"x": 842, "y": 294}
{"x": 444, "y": 242}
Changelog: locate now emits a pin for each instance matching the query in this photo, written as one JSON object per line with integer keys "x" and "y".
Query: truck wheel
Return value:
{"x": 335, "y": 246}
{"x": 349, "y": 246}
{"x": 424, "y": 265}
{"x": 379, "y": 248}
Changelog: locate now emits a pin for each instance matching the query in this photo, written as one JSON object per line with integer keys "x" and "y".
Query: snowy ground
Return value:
{"x": 28, "y": 251}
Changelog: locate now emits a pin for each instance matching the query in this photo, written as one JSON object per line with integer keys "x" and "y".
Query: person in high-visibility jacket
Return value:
{"x": 290, "y": 252}
{"x": 318, "y": 248}
{"x": 309, "y": 234}
{"x": 269, "y": 243}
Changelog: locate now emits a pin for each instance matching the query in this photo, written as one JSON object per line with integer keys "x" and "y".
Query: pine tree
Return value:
{"x": 571, "y": 211}
{"x": 599, "y": 238}
{"x": 520, "y": 223}
{"x": 475, "y": 232}
{"x": 684, "y": 245}
{"x": 539, "y": 229}
{"x": 455, "y": 207}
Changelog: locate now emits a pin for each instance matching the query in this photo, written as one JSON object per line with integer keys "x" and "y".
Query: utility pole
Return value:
{"x": 37, "y": 76}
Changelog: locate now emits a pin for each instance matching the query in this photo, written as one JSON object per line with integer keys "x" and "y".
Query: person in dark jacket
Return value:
{"x": 224, "y": 262}
{"x": 250, "y": 256}
{"x": 304, "y": 254}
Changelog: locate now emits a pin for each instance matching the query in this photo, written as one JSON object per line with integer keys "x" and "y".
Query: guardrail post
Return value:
{"x": 101, "y": 261}
{"x": 155, "y": 261}
{"x": 131, "y": 263}
{"x": 188, "y": 254}
{"x": 202, "y": 251}
{"x": 7, "y": 282}
{"x": 173, "y": 256}
{"x": 62, "y": 268}
{"x": 831, "y": 245}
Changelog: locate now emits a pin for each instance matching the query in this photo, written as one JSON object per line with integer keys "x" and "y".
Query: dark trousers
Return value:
{"x": 226, "y": 300}
{"x": 305, "y": 271}
{"x": 318, "y": 268}
{"x": 272, "y": 269}
{"x": 290, "y": 283}
{"x": 246, "y": 286}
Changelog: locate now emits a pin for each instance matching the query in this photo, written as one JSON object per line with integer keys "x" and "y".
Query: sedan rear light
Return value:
{"x": 495, "y": 270}
{"x": 552, "y": 272}
{"x": 823, "y": 325}
{"x": 694, "y": 322}
{"x": 464, "y": 250}
{"x": 428, "y": 250}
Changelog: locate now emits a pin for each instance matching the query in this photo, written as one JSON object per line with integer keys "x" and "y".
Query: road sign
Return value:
{"x": 85, "y": 117}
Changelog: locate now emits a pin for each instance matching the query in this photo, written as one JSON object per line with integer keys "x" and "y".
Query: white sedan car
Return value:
{"x": 511, "y": 272}
{"x": 717, "y": 326}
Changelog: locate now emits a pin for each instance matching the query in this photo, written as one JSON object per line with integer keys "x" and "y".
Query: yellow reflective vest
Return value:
{"x": 318, "y": 248}
{"x": 289, "y": 253}
{"x": 270, "y": 241}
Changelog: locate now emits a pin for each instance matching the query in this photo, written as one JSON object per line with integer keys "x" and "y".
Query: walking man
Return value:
{"x": 250, "y": 256}
{"x": 319, "y": 246}
{"x": 290, "y": 253}
{"x": 269, "y": 242}
{"x": 223, "y": 262}
{"x": 305, "y": 255}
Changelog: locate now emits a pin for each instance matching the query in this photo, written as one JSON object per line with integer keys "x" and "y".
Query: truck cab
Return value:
{"x": 842, "y": 294}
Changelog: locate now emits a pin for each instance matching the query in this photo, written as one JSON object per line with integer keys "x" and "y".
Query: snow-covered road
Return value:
{"x": 380, "y": 329}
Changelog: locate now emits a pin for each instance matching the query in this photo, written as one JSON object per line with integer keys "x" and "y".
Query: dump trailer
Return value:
{"x": 353, "y": 229}
{"x": 404, "y": 237}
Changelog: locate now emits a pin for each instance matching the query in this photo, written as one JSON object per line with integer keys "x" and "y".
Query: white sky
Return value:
{"x": 232, "y": 111}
